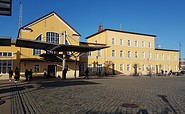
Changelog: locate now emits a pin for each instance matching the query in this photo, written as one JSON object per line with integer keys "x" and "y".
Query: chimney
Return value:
{"x": 100, "y": 28}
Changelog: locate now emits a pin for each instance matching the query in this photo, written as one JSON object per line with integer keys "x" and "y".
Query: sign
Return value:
{"x": 6, "y": 7}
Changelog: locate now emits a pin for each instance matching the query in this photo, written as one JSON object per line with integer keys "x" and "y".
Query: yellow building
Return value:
{"x": 129, "y": 53}
{"x": 48, "y": 28}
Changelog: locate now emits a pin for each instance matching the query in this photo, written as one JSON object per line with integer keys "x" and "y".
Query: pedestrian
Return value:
{"x": 26, "y": 74}
{"x": 30, "y": 74}
{"x": 86, "y": 73}
{"x": 162, "y": 72}
{"x": 10, "y": 74}
{"x": 17, "y": 74}
{"x": 45, "y": 73}
{"x": 64, "y": 73}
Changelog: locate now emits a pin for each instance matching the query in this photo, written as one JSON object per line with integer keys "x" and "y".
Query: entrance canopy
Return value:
{"x": 55, "y": 47}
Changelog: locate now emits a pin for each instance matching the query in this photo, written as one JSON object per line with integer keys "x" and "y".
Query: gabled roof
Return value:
{"x": 48, "y": 15}
{"x": 121, "y": 32}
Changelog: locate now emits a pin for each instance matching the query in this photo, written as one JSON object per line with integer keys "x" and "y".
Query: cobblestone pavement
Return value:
{"x": 113, "y": 95}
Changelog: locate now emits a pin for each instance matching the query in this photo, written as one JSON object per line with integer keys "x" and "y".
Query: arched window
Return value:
{"x": 37, "y": 51}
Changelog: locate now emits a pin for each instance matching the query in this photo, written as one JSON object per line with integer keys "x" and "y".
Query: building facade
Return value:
{"x": 48, "y": 28}
{"x": 129, "y": 54}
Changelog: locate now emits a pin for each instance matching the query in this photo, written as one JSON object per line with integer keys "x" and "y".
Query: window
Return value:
{"x": 149, "y": 44}
{"x": 143, "y": 55}
{"x": 128, "y": 67}
{"x": 5, "y": 66}
{"x": 90, "y": 67}
{"x": 162, "y": 56}
{"x": 113, "y": 53}
{"x": 121, "y": 42}
{"x": 90, "y": 53}
{"x": 99, "y": 68}
{"x": 136, "y": 54}
{"x": 113, "y": 41}
{"x": 121, "y": 67}
{"x": 36, "y": 68}
{"x": 143, "y": 67}
{"x": 121, "y": 53}
{"x": 169, "y": 68}
{"x": 99, "y": 53}
{"x": 82, "y": 67}
{"x": 37, "y": 51}
{"x": 129, "y": 54}
{"x": 129, "y": 43}
{"x": 143, "y": 44}
{"x": 52, "y": 37}
{"x": 136, "y": 43}
{"x": 5, "y": 54}
{"x": 150, "y": 55}
{"x": 168, "y": 56}
{"x": 156, "y": 56}
{"x": 175, "y": 56}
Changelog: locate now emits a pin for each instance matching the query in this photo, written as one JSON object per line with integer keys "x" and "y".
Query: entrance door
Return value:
{"x": 52, "y": 69}
{"x": 157, "y": 70}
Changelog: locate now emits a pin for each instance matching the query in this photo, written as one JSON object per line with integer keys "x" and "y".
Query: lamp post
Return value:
{"x": 97, "y": 63}
{"x": 180, "y": 55}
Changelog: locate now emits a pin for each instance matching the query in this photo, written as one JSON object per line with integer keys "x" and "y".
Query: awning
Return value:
{"x": 4, "y": 41}
{"x": 55, "y": 47}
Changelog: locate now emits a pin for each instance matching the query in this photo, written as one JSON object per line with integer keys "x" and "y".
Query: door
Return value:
{"x": 52, "y": 69}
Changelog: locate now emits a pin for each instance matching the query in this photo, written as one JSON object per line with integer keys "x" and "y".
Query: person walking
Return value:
{"x": 86, "y": 73}
{"x": 17, "y": 74}
{"x": 64, "y": 73}
{"x": 10, "y": 74}
{"x": 26, "y": 74}
{"x": 45, "y": 73}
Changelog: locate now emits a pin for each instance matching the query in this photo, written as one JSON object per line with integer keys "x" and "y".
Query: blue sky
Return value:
{"x": 164, "y": 18}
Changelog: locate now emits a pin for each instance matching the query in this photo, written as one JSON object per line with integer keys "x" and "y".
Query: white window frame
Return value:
{"x": 113, "y": 41}
{"x": 156, "y": 56}
{"x": 121, "y": 67}
{"x": 136, "y": 43}
{"x": 6, "y": 54}
{"x": 143, "y": 55}
{"x": 149, "y": 44}
{"x": 90, "y": 67}
{"x": 99, "y": 53}
{"x": 129, "y": 43}
{"x": 162, "y": 56}
{"x": 143, "y": 67}
{"x": 129, "y": 54}
{"x": 136, "y": 54}
{"x": 143, "y": 44}
{"x": 121, "y": 42}
{"x": 150, "y": 55}
{"x": 36, "y": 68}
{"x": 90, "y": 53}
{"x": 113, "y": 53}
{"x": 128, "y": 67}
{"x": 121, "y": 54}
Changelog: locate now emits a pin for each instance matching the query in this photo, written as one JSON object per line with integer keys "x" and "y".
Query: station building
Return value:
{"x": 48, "y": 28}
{"x": 129, "y": 53}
